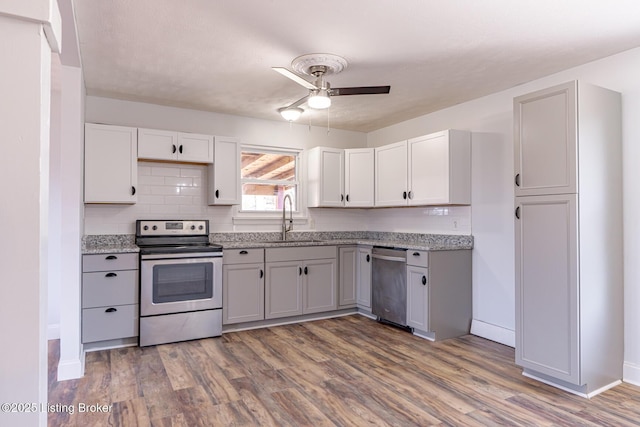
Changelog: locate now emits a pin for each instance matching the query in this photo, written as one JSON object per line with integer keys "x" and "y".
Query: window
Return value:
{"x": 267, "y": 177}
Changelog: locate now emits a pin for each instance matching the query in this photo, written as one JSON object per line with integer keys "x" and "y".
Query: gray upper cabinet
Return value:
{"x": 568, "y": 236}
{"x": 545, "y": 126}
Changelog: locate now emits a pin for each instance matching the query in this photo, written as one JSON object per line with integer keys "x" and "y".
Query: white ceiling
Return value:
{"x": 216, "y": 55}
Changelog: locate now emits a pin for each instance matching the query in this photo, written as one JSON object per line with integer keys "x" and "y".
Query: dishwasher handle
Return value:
{"x": 389, "y": 258}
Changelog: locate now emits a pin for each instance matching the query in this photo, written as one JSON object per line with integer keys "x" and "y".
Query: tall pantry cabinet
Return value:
{"x": 568, "y": 235}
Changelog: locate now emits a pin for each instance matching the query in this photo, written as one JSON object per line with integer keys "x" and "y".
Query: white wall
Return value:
{"x": 24, "y": 175}
{"x": 490, "y": 119}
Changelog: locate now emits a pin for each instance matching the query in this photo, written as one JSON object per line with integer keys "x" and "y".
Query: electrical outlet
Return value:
{"x": 455, "y": 224}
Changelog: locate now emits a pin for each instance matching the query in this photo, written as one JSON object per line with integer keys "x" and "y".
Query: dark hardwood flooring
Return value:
{"x": 348, "y": 371}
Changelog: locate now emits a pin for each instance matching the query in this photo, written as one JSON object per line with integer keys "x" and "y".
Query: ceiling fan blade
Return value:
{"x": 296, "y": 78}
{"x": 365, "y": 90}
{"x": 298, "y": 103}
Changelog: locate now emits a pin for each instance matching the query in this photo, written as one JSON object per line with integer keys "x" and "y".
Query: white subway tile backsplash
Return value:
{"x": 175, "y": 191}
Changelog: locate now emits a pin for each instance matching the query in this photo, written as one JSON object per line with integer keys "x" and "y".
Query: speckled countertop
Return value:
{"x": 97, "y": 244}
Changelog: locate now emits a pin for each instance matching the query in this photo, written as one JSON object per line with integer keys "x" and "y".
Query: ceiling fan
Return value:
{"x": 320, "y": 65}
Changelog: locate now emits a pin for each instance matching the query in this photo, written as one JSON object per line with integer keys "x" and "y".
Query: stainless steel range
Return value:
{"x": 180, "y": 281}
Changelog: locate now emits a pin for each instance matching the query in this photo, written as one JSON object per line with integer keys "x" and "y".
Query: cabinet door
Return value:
{"x": 547, "y": 338}
{"x": 325, "y": 177}
{"x": 224, "y": 174}
{"x": 110, "y": 164}
{"x": 320, "y": 287}
{"x": 440, "y": 168}
{"x": 242, "y": 293}
{"x": 364, "y": 278}
{"x": 358, "y": 177}
{"x": 391, "y": 175}
{"x": 418, "y": 297}
{"x": 283, "y": 289}
{"x": 546, "y": 141}
{"x": 193, "y": 147}
{"x": 156, "y": 144}
{"x": 348, "y": 275}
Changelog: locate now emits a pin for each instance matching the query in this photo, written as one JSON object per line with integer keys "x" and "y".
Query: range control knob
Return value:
{"x": 193, "y": 227}
{"x": 200, "y": 228}
{"x": 155, "y": 227}
{"x": 146, "y": 227}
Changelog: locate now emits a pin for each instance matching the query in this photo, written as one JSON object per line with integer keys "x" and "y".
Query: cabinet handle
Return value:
{"x": 368, "y": 257}
{"x": 306, "y": 270}
{"x": 110, "y": 310}
{"x": 347, "y": 197}
{"x": 342, "y": 197}
{"x": 174, "y": 148}
{"x": 217, "y": 194}
{"x": 518, "y": 212}
{"x": 404, "y": 195}
{"x": 180, "y": 149}
{"x": 111, "y": 275}
{"x": 261, "y": 273}
{"x": 243, "y": 252}
{"x": 416, "y": 254}
{"x": 299, "y": 271}
{"x": 111, "y": 257}
{"x": 518, "y": 180}
{"x": 424, "y": 280}
{"x": 410, "y": 195}
{"x": 133, "y": 190}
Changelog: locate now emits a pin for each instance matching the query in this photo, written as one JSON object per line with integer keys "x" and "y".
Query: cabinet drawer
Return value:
{"x": 109, "y": 288}
{"x": 99, "y": 324}
{"x": 418, "y": 258}
{"x": 110, "y": 262}
{"x": 242, "y": 256}
{"x": 300, "y": 253}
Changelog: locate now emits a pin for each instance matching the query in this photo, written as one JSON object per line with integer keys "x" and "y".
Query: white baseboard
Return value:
{"x": 631, "y": 373}
{"x": 493, "y": 332}
{"x": 53, "y": 332}
{"x": 70, "y": 369}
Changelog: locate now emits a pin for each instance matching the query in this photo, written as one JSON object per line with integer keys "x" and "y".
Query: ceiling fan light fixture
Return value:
{"x": 319, "y": 99}
{"x": 291, "y": 114}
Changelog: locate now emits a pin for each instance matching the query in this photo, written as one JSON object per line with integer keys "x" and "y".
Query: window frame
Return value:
{"x": 297, "y": 182}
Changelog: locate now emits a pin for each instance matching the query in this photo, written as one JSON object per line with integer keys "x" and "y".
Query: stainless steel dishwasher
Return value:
{"x": 389, "y": 285}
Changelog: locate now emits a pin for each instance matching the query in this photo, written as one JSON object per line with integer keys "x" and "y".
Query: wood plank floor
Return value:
{"x": 348, "y": 371}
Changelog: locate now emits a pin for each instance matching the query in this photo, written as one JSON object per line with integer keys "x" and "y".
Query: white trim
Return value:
{"x": 264, "y": 220}
{"x": 53, "y": 331}
{"x": 493, "y": 332}
{"x": 631, "y": 373}
{"x": 71, "y": 369}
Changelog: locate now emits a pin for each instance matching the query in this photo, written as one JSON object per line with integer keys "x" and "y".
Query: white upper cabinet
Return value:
{"x": 391, "y": 174}
{"x": 440, "y": 169}
{"x": 358, "y": 177}
{"x": 110, "y": 164}
{"x": 224, "y": 174}
{"x": 545, "y": 141}
{"x": 325, "y": 177}
{"x": 433, "y": 169}
{"x": 340, "y": 178}
{"x": 174, "y": 146}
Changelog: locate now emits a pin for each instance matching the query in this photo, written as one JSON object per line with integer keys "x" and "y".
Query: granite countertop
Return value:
{"x": 99, "y": 244}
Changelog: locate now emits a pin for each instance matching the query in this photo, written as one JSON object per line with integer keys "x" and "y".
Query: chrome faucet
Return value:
{"x": 285, "y": 229}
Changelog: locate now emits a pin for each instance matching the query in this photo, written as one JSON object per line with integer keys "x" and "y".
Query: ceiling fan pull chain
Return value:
{"x": 328, "y": 121}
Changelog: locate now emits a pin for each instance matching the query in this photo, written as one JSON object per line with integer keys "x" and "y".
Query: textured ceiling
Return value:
{"x": 216, "y": 55}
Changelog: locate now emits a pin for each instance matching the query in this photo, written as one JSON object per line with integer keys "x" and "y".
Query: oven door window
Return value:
{"x": 182, "y": 282}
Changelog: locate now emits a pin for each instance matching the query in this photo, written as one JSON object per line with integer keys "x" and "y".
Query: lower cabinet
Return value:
{"x": 109, "y": 297}
{"x": 242, "y": 285}
{"x": 300, "y": 280}
{"x": 439, "y": 293}
{"x": 363, "y": 277}
{"x": 347, "y": 285}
